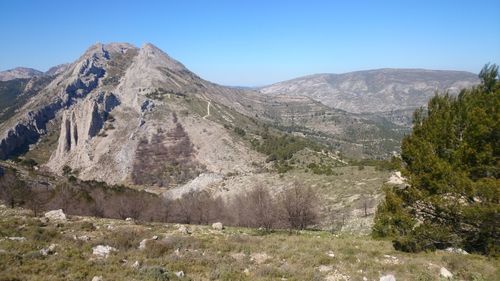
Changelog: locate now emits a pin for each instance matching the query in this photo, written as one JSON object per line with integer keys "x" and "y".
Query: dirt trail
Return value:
{"x": 208, "y": 110}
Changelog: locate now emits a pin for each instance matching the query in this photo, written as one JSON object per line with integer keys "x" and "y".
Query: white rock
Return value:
{"x": 97, "y": 278}
{"x": 128, "y": 219}
{"x": 184, "y": 230}
{"x": 443, "y": 272}
{"x": 83, "y": 238}
{"x": 396, "y": 178}
{"x": 17, "y": 238}
{"x": 103, "y": 251}
{"x": 142, "y": 245}
{"x": 456, "y": 251}
{"x": 325, "y": 268}
{"x": 55, "y": 215}
{"x": 179, "y": 274}
{"x": 330, "y": 254}
{"x": 136, "y": 265}
{"x": 217, "y": 226}
{"x": 388, "y": 277}
{"x": 48, "y": 251}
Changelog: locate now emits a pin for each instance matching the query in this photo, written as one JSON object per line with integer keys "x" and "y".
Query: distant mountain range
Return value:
{"x": 25, "y": 72}
{"x": 371, "y": 91}
{"x": 132, "y": 115}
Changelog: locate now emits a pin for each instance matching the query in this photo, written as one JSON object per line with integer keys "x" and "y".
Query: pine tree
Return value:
{"x": 452, "y": 162}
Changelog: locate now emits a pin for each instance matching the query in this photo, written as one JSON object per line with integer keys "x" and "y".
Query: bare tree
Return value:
{"x": 299, "y": 205}
{"x": 37, "y": 198}
{"x": 12, "y": 190}
{"x": 131, "y": 206}
{"x": 262, "y": 210}
{"x": 65, "y": 195}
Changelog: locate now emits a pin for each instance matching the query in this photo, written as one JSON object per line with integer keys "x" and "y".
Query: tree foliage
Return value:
{"x": 452, "y": 162}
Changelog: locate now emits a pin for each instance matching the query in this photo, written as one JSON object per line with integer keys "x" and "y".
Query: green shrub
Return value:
{"x": 451, "y": 162}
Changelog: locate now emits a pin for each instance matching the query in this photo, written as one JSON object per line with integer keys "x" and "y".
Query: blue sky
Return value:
{"x": 251, "y": 43}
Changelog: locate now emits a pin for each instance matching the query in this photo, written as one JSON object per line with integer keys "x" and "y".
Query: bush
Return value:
{"x": 239, "y": 131}
{"x": 124, "y": 239}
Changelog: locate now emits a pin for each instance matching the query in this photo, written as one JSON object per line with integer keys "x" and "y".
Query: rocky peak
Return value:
{"x": 151, "y": 54}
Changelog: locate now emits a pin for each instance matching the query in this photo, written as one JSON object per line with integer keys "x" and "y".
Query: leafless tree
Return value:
{"x": 12, "y": 190}
{"x": 262, "y": 209}
{"x": 37, "y": 198}
{"x": 131, "y": 206}
{"x": 65, "y": 195}
{"x": 300, "y": 206}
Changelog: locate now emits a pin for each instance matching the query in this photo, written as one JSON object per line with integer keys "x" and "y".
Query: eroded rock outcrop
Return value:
{"x": 81, "y": 78}
{"x": 83, "y": 122}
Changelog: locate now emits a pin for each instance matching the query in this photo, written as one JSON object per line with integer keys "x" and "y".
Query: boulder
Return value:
{"x": 388, "y": 277}
{"x": 97, "y": 278}
{"x": 48, "y": 251}
{"x": 218, "y": 226}
{"x": 55, "y": 215}
{"x": 445, "y": 273}
{"x": 102, "y": 251}
{"x": 142, "y": 245}
{"x": 184, "y": 230}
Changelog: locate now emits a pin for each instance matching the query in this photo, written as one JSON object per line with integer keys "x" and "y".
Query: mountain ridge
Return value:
{"x": 375, "y": 90}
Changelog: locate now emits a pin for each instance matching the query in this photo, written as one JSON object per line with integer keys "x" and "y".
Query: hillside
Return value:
{"x": 143, "y": 100}
{"x": 370, "y": 91}
{"x": 40, "y": 249}
{"x": 19, "y": 73}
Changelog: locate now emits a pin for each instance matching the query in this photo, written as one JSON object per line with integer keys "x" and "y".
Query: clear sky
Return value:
{"x": 252, "y": 42}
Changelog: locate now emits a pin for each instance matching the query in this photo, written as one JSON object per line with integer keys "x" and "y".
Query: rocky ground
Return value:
{"x": 86, "y": 248}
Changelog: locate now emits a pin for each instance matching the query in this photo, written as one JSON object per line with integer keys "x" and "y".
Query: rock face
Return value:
{"x": 55, "y": 215}
{"x": 83, "y": 122}
{"x": 19, "y": 72}
{"x": 78, "y": 80}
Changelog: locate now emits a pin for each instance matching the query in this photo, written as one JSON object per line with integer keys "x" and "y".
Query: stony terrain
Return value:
{"x": 57, "y": 247}
{"x": 19, "y": 72}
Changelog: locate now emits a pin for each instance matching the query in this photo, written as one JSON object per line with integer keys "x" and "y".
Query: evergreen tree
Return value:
{"x": 452, "y": 162}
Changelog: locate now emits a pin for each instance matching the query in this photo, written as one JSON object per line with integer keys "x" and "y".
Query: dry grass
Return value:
{"x": 206, "y": 254}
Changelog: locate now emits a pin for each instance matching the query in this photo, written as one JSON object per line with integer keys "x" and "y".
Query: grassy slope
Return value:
{"x": 212, "y": 255}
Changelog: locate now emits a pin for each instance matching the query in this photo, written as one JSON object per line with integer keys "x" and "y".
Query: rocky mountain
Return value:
{"x": 19, "y": 72}
{"x": 375, "y": 91}
{"x": 123, "y": 114}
